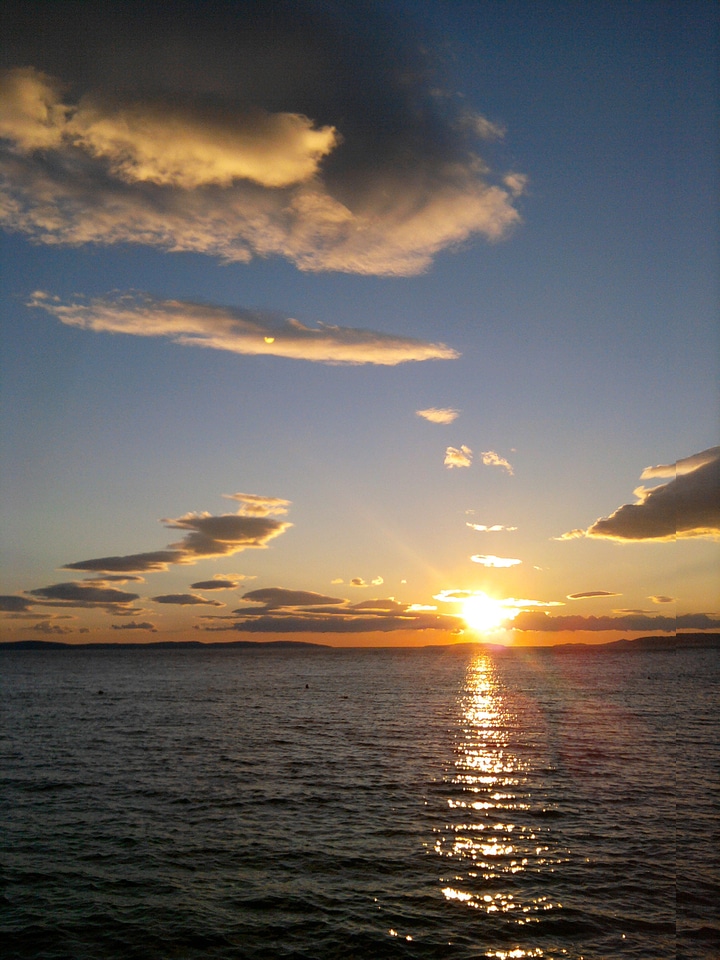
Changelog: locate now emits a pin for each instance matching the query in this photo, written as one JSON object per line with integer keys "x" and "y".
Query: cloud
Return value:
{"x": 255, "y": 505}
{"x": 282, "y": 597}
{"x": 301, "y": 611}
{"x": 492, "y": 459}
{"x": 687, "y": 506}
{"x": 455, "y": 457}
{"x": 439, "y": 414}
{"x": 134, "y": 625}
{"x": 153, "y": 562}
{"x": 246, "y": 332}
{"x": 220, "y": 582}
{"x": 360, "y": 582}
{"x": 494, "y": 528}
{"x": 291, "y": 134}
{"x": 186, "y": 599}
{"x": 206, "y": 536}
{"x": 663, "y": 599}
{"x": 589, "y": 594}
{"x": 85, "y": 593}
{"x": 13, "y": 604}
{"x": 50, "y": 629}
{"x": 542, "y": 622}
{"x": 488, "y": 560}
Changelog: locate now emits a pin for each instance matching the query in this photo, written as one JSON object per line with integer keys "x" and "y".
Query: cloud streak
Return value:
{"x": 246, "y": 332}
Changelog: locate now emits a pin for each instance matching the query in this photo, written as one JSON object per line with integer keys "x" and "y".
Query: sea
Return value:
{"x": 308, "y": 803}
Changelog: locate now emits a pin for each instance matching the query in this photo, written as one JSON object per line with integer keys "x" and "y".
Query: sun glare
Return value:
{"x": 483, "y": 613}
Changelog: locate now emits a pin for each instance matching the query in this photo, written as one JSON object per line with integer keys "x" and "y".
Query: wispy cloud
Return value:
{"x": 488, "y": 560}
{"x": 492, "y": 528}
{"x": 247, "y": 332}
{"x": 439, "y": 414}
{"x": 492, "y": 459}
{"x": 458, "y": 457}
{"x": 663, "y": 599}
{"x": 590, "y": 594}
{"x": 687, "y": 506}
{"x": 135, "y": 625}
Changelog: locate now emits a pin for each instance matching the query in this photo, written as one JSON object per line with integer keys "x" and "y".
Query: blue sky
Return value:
{"x": 517, "y": 202}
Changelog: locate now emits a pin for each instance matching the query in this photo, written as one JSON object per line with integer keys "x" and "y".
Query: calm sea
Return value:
{"x": 305, "y": 803}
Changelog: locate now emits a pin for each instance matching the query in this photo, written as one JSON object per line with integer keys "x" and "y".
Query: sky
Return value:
{"x": 359, "y": 323}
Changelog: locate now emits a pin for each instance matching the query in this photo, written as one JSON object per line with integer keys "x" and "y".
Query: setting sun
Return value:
{"x": 482, "y": 612}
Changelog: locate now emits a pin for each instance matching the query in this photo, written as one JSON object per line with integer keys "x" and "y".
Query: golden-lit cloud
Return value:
{"x": 591, "y": 594}
{"x": 663, "y": 599}
{"x": 488, "y": 560}
{"x": 239, "y": 331}
{"x": 492, "y": 459}
{"x": 163, "y": 142}
{"x": 491, "y": 528}
{"x": 439, "y": 414}
{"x": 458, "y": 457}
{"x": 687, "y": 506}
{"x": 226, "y": 176}
{"x": 256, "y": 505}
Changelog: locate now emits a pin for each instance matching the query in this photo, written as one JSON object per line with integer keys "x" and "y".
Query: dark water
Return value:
{"x": 359, "y": 804}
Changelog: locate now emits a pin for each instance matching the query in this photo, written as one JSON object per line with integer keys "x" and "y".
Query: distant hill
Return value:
{"x": 683, "y": 641}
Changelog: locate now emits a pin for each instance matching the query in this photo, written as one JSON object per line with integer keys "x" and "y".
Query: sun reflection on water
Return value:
{"x": 497, "y": 852}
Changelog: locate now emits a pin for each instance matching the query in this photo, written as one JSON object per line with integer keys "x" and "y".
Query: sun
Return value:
{"x": 483, "y": 613}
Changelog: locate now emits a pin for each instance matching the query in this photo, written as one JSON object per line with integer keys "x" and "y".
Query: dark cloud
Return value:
{"x": 84, "y": 593}
{"x": 217, "y": 584}
{"x": 293, "y": 623}
{"x": 248, "y": 332}
{"x": 542, "y": 622}
{"x": 206, "y": 536}
{"x": 153, "y": 562}
{"x": 314, "y": 131}
{"x": 282, "y": 597}
{"x": 688, "y": 505}
{"x": 588, "y": 594}
{"x": 12, "y": 604}
{"x": 228, "y": 533}
{"x": 133, "y": 625}
{"x": 186, "y": 599}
